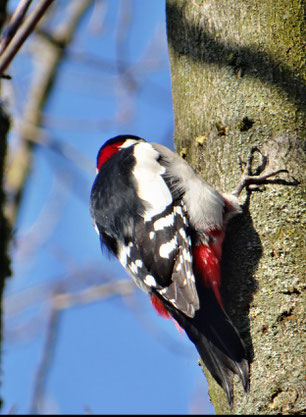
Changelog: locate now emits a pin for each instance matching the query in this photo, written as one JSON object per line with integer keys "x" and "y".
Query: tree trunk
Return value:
{"x": 4, "y": 227}
{"x": 237, "y": 81}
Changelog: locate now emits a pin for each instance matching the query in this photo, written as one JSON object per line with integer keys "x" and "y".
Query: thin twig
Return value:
{"x": 14, "y": 24}
{"x": 24, "y": 33}
{"x": 94, "y": 293}
{"x": 38, "y": 94}
{"x": 45, "y": 361}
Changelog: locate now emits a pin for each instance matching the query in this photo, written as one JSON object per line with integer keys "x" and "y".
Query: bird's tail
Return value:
{"x": 217, "y": 341}
{"x": 219, "y": 345}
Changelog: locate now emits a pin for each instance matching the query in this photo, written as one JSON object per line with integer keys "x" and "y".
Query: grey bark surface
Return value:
{"x": 238, "y": 80}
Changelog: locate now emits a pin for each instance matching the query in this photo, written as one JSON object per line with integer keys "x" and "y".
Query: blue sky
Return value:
{"x": 114, "y": 355}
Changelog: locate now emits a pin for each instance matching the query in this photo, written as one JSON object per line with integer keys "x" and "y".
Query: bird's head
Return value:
{"x": 114, "y": 145}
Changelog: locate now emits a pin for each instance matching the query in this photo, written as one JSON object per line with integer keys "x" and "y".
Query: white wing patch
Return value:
{"x": 139, "y": 263}
{"x": 166, "y": 248}
{"x": 124, "y": 253}
{"x": 164, "y": 222}
{"x": 96, "y": 228}
{"x": 150, "y": 281}
{"x": 182, "y": 292}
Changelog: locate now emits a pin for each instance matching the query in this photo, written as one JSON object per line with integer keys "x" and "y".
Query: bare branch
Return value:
{"x": 46, "y": 74}
{"x": 59, "y": 302}
{"x": 24, "y": 33}
{"x": 15, "y": 23}
{"x": 93, "y": 293}
{"x": 66, "y": 293}
{"x": 45, "y": 361}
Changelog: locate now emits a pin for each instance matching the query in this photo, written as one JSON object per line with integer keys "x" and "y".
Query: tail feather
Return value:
{"x": 232, "y": 348}
{"x": 217, "y": 341}
{"x": 217, "y": 337}
{"x": 218, "y": 368}
{"x": 221, "y": 365}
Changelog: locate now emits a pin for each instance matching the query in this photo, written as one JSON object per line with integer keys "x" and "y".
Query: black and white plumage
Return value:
{"x": 166, "y": 225}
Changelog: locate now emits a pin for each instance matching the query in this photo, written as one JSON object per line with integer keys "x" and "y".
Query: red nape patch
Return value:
{"x": 206, "y": 265}
{"x": 106, "y": 152}
{"x": 159, "y": 307}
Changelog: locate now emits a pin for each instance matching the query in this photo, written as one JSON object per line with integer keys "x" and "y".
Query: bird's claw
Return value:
{"x": 254, "y": 178}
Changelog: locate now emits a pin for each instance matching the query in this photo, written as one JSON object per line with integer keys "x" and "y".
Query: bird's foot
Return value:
{"x": 255, "y": 178}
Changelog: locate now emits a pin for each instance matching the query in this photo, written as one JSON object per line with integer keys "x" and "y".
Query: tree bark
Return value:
{"x": 238, "y": 73}
{"x": 5, "y": 231}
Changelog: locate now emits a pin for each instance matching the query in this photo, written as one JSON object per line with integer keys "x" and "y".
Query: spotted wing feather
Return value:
{"x": 167, "y": 260}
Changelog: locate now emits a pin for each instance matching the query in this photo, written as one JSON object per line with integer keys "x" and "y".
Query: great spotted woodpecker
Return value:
{"x": 166, "y": 226}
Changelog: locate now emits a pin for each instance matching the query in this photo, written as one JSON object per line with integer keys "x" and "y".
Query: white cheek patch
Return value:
{"x": 151, "y": 186}
{"x": 128, "y": 142}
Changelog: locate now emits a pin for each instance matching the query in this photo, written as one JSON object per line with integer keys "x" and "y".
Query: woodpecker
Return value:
{"x": 166, "y": 225}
